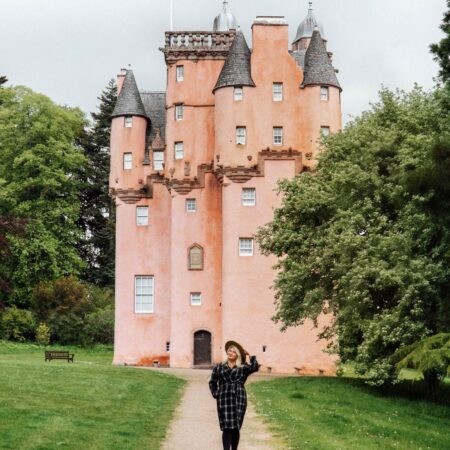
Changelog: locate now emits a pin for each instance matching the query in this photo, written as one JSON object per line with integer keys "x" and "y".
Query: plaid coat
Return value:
{"x": 227, "y": 387}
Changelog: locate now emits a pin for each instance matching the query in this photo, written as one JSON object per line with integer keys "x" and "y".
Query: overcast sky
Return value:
{"x": 69, "y": 49}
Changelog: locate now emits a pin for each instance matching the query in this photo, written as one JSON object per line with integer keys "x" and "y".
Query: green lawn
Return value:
{"x": 86, "y": 405}
{"x": 342, "y": 413}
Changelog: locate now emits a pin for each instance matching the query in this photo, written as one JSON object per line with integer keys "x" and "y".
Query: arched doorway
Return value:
{"x": 202, "y": 348}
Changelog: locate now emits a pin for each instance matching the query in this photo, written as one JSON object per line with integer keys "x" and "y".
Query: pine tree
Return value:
{"x": 441, "y": 50}
{"x": 98, "y": 214}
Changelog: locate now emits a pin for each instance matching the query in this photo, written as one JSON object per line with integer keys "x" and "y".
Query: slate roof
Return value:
{"x": 236, "y": 71}
{"x": 155, "y": 108}
{"x": 299, "y": 56}
{"x": 129, "y": 102}
{"x": 318, "y": 67}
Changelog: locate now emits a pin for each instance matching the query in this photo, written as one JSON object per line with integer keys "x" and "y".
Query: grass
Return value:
{"x": 89, "y": 404}
{"x": 342, "y": 413}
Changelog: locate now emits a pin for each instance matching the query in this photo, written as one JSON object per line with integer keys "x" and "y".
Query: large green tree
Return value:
{"x": 365, "y": 237}
{"x": 40, "y": 164}
{"x": 97, "y": 246}
{"x": 441, "y": 50}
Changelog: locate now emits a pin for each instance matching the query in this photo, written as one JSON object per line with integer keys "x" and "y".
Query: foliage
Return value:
{"x": 39, "y": 178}
{"x": 99, "y": 327}
{"x": 316, "y": 413}
{"x": 431, "y": 356}
{"x": 441, "y": 50}
{"x": 98, "y": 213}
{"x": 43, "y": 334}
{"x": 3, "y": 80}
{"x": 17, "y": 324}
{"x": 365, "y": 237}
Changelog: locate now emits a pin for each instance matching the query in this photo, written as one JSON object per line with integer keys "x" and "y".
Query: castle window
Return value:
{"x": 142, "y": 215}
{"x": 143, "y": 294}
{"x": 245, "y": 247}
{"x": 238, "y": 94}
{"x": 241, "y": 135}
{"x": 128, "y": 122}
{"x": 167, "y": 346}
{"x": 325, "y": 131}
{"x": 179, "y": 112}
{"x": 179, "y": 150}
{"x": 196, "y": 298}
{"x": 195, "y": 257}
{"x": 277, "y": 91}
{"x": 191, "y": 205}
{"x": 324, "y": 93}
{"x": 248, "y": 197}
{"x": 277, "y": 135}
{"x": 158, "y": 160}
{"x": 127, "y": 161}
{"x": 180, "y": 73}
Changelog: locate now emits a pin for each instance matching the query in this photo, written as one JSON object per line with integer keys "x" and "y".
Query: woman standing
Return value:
{"x": 227, "y": 387}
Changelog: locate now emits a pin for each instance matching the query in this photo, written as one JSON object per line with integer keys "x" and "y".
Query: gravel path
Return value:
{"x": 196, "y": 425}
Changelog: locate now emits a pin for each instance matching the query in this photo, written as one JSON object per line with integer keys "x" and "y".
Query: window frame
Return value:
{"x": 138, "y": 216}
{"x": 242, "y": 137}
{"x": 176, "y": 149}
{"x": 245, "y": 201}
{"x": 277, "y": 95}
{"x": 187, "y": 202}
{"x": 179, "y": 77}
{"x": 128, "y": 121}
{"x": 199, "y": 294}
{"x": 324, "y": 93}
{"x": 179, "y": 112}
{"x": 127, "y": 161}
{"x": 323, "y": 132}
{"x": 239, "y": 97}
{"x": 151, "y": 309}
{"x": 155, "y": 161}
{"x": 274, "y": 136}
{"x": 242, "y": 251}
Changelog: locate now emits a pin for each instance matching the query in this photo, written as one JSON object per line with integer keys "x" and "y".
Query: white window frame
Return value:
{"x": 324, "y": 93}
{"x": 238, "y": 94}
{"x": 246, "y": 246}
{"x": 179, "y": 73}
{"x": 248, "y": 197}
{"x": 179, "y": 112}
{"x": 277, "y": 92}
{"x": 128, "y": 121}
{"x": 241, "y": 135}
{"x": 325, "y": 130}
{"x": 178, "y": 150}
{"x": 141, "y": 216}
{"x": 191, "y": 205}
{"x": 278, "y": 136}
{"x": 158, "y": 162}
{"x": 128, "y": 161}
{"x": 144, "y": 289}
{"x": 196, "y": 299}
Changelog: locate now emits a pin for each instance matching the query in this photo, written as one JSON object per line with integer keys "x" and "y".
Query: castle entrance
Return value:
{"x": 202, "y": 348}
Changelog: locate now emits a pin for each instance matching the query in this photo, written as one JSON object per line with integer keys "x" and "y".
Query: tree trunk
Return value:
{"x": 431, "y": 379}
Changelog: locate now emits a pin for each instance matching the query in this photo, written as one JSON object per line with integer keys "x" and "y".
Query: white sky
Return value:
{"x": 69, "y": 49}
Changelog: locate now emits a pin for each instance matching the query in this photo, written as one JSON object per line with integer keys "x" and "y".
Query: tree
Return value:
{"x": 365, "y": 237}
{"x": 3, "y": 80}
{"x": 441, "y": 51}
{"x": 40, "y": 182}
{"x": 98, "y": 213}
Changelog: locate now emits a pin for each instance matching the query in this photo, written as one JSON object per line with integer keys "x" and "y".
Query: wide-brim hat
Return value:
{"x": 239, "y": 347}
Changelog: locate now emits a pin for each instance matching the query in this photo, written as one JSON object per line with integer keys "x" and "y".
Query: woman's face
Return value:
{"x": 232, "y": 354}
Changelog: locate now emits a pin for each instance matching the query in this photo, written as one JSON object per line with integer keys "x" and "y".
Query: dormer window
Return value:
{"x": 180, "y": 74}
{"x": 238, "y": 94}
{"x": 128, "y": 122}
{"x": 324, "y": 93}
{"x": 179, "y": 112}
{"x": 277, "y": 91}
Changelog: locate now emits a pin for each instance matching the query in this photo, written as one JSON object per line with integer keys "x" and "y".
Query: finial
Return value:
{"x": 225, "y": 5}
{"x": 310, "y": 5}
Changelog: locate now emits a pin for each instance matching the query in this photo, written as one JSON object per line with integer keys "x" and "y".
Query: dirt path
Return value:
{"x": 196, "y": 425}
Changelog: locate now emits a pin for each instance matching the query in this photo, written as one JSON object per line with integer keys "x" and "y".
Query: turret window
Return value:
{"x": 158, "y": 160}
{"x": 179, "y": 150}
{"x": 180, "y": 74}
{"x": 195, "y": 257}
{"x": 324, "y": 93}
{"x": 241, "y": 135}
{"x": 277, "y": 135}
{"x": 179, "y": 112}
{"x": 277, "y": 92}
{"x": 127, "y": 161}
{"x": 325, "y": 131}
{"x": 128, "y": 121}
{"x": 142, "y": 215}
{"x": 238, "y": 94}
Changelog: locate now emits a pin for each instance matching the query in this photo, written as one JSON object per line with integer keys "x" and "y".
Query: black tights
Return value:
{"x": 230, "y": 439}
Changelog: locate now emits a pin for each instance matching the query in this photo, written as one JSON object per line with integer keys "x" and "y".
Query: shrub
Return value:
{"x": 99, "y": 327}
{"x": 43, "y": 334}
{"x": 17, "y": 324}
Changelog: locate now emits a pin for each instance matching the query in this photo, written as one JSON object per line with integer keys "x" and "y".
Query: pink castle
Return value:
{"x": 194, "y": 172}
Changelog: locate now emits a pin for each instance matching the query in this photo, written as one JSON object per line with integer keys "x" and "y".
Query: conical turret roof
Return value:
{"x": 236, "y": 71}
{"x": 318, "y": 67}
{"x": 129, "y": 102}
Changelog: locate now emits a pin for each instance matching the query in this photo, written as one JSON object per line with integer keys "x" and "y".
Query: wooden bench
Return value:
{"x": 58, "y": 355}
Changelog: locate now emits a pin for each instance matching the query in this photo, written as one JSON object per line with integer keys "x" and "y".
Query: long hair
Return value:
{"x": 238, "y": 353}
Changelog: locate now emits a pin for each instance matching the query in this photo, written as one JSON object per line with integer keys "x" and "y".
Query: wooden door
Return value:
{"x": 202, "y": 348}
